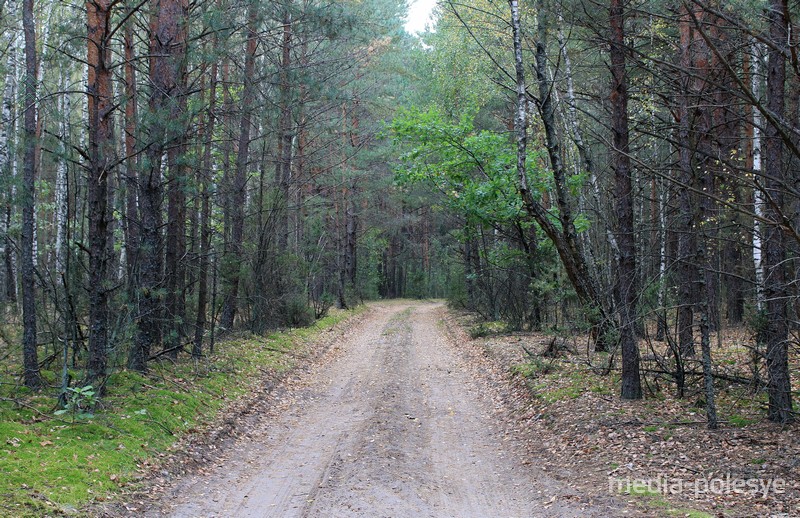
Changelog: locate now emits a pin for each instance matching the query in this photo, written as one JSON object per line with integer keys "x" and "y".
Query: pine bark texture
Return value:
{"x": 205, "y": 216}
{"x": 177, "y": 184}
{"x": 102, "y": 159}
{"x": 32, "y": 375}
{"x": 626, "y": 285}
{"x": 239, "y": 187}
{"x": 167, "y": 40}
{"x": 775, "y": 288}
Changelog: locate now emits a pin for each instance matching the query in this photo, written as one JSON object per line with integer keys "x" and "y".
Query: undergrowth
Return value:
{"x": 56, "y": 462}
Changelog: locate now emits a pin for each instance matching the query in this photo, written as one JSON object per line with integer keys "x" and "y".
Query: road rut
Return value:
{"x": 388, "y": 425}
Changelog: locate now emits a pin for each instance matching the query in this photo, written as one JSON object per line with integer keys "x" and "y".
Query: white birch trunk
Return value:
{"x": 7, "y": 117}
{"x": 8, "y": 127}
{"x": 122, "y": 267}
{"x": 577, "y": 134}
{"x": 62, "y": 184}
{"x": 758, "y": 195}
{"x": 662, "y": 237}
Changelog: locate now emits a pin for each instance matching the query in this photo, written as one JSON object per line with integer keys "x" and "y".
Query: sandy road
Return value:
{"x": 387, "y": 426}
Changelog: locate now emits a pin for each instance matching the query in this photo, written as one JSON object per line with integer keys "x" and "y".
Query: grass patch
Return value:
{"x": 55, "y": 464}
{"x": 740, "y": 421}
{"x": 534, "y": 368}
{"x": 555, "y": 383}
{"x": 485, "y": 329}
{"x": 654, "y": 499}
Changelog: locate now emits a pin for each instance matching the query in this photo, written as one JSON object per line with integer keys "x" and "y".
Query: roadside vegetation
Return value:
{"x": 56, "y": 462}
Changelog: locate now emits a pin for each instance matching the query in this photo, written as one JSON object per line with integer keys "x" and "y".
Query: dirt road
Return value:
{"x": 386, "y": 425}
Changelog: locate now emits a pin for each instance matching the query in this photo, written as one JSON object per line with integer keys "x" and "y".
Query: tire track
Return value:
{"x": 392, "y": 425}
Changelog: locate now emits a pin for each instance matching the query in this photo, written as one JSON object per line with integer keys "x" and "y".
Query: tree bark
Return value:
{"x": 7, "y": 166}
{"x": 626, "y": 284}
{"x": 32, "y": 375}
{"x": 62, "y": 186}
{"x": 101, "y": 162}
{"x": 167, "y": 52}
{"x": 687, "y": 272}
{"x": 779, "y": 387}
{"x": 565, "y": 239}
{"x": 283, "y": 168}
{"x": 240, "y": 180}
{"x": 132, "y": 234}
{"x": 174, "y": 263}
{"x": 205, "y": 215}
{"x": 758, "y": 195}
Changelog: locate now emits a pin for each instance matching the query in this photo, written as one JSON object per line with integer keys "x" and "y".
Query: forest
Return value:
{"x": 173, "y": 173}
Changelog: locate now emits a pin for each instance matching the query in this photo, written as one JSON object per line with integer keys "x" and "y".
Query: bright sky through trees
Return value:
{"x": 419, "y": 15}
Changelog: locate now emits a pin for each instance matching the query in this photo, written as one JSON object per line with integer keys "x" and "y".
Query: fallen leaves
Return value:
{"x": 575, "y": 426}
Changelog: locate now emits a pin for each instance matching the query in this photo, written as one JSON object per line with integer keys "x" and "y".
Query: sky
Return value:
{"x": 419, "y": 12}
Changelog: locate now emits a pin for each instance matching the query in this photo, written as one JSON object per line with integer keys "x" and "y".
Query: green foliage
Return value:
{"x": 474, "y": 170}
{"x": 295, "y": 312}
{"x": 323, "y": 304}
{"x": 79, "y": 402}
{"x": 740, "y": 421}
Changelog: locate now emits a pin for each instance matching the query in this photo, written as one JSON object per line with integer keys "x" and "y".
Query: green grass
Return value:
{"x": 50, "y": 464}
{"x": 689, "y": 513}
{"x": 740, "y": 421}
{"x": 654, "y": 499}
{"x": 534, "y": 368}
{"x": 485, "y": 329}
{"x": 552, "y": 385}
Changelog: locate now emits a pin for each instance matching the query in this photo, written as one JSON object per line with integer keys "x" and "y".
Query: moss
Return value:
{"x": 534, "y": 368}
{"x": 485, "y": 329}
{"x": 740, "y": 421}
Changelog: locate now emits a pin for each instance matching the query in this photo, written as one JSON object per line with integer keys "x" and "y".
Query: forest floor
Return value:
{"x": 416, "y": 411}
{"x": 400, "y": 417}
{"x": 658, "y": 452}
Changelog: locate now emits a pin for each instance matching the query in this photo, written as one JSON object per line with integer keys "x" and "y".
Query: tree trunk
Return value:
{"x": 7, "y": 166}
{"x": 132, "y": 223}
{"x": 758, "y": 195}
{"x": 240, "y": 180}
{"x": 661, "y": 317}
{"x": 565, "y": 239}
{"x": 167, "y": 53}
{"x": 62, "y": 186}
{"x": 775, "y": 289}
{"x": 32, "y": 376}
{"x": 101, "y": 161}
{"x": 174, "y": 263}
{"x": 687, "y": 272}
{"x": 205, "y": 216}
{"x": 351, "y": 241}
{"x": 626, "y": 285}
{"x": 283, "y": 167}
